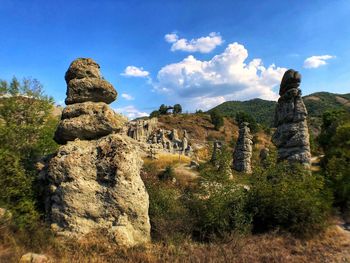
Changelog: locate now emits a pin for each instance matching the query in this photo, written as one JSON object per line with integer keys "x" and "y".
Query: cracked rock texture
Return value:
{"x": 93, "y": 182}
{"x": 244, "y": 149}
{"x": 291, "y": 136}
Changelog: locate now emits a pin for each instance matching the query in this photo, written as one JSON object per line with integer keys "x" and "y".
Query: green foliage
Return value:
{"x": 163, "y": 109}
{"x": 170, "y": 219}
{"x": 26, "y": 131}
{"x": 216, "y": 119}
{"x": 288, "y": 198}
{"x": 263, "y": 110}
{"x": 218, "y": 209}
{"x": 168, "y": 173}
{"x": 242, "y": 116}
{"x": 177, "y": 109}
{"x": 16, "y": 194}
{"x": 154, "y": 114}
{"x": 335, "y": 140}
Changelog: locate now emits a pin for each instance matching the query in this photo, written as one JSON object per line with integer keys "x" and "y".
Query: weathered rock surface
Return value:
{"x": 33, "y": 258}
{"x": 243, "y": 151}
{"x": 82, "y": 68}
{"x": 153, "y": 140}
{"x": 292, "y": 136}
{"x": 90, "y": 89}
{"x": 93, "y": 182}
{"x": 87, "y": 121}
{"x": 97, "y": 185}
{"x": 140, "y": 130}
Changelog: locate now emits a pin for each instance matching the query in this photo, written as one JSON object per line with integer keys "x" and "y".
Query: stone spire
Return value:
{"x": 291, "y": 136}
{"x": 87, "y": 115}
{"x": 243, "y": 151}
{"x": 93, "y": 181}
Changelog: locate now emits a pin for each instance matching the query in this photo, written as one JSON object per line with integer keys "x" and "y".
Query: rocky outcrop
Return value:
{"x": 93, "y": 181}
{"x": 33, "y": 258}
{"x": 154, "y": 140}
{"x": 90, "y": 89}
{"x": 291, "y": 136}
{"x": 87, "y": 121}
{"x": 140, "y": 130}
{"x": 243, "y": 151}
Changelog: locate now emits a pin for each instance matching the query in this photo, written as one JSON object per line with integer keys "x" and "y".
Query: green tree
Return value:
{"x": 27, "y": 126}
{"x": 289, "y": 198}
{"x": 154, "y": 114}
{"x": 335, "y": 140}
{"x": 216, "y": 119}
{"x": 163, "y": 109}
{"x": 242, "y": 116}
{"x": 177, "y": 109}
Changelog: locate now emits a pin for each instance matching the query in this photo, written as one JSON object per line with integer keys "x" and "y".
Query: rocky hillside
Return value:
{"x": 263, "y": 110}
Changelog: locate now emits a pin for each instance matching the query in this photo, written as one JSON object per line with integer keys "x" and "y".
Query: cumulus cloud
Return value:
{"x": 202, "y": 44}
{"x": 132, "y": 71}
{"x": 317, "y": 61}
{"x": 131, "y": 112}
{"x": 227, "y": 76}
{"x": 127, "y": 96}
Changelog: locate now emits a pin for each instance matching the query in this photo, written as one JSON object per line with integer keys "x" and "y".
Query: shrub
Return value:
{"x": 169, "y": 216}
{"x": 288, "y": 198}
{"x": 168, "y": 173}
{"x": 16, "y": 194}
{"x": 216, "y": 119}
{"x": 218, "y": 209}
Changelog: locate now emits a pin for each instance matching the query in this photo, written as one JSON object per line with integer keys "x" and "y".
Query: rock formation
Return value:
{"x": 243, "y": 151}
{"x": 291, "y": 136}
{"x": 217, "y": 145}
{"x": 93, "y": 181}
{"x": 154, "y": 140}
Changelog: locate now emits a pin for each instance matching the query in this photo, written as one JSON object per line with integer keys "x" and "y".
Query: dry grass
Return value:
{"x": 164, "y": 160}
{"x": 331, "y": 246}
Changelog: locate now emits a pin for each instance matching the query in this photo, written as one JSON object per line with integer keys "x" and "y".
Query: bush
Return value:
{"x": 216, "y": 119}
{"x": 168, "y": 173}
{"x": 218, "y": 209}
{"x": 27, "y": 126}
{"x": 288, "y": 198}
{"x": 16, "y": 194}
{"x": 170, "y": 220}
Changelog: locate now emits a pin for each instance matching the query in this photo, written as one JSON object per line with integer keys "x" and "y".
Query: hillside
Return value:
{"x": 263, "y": 110}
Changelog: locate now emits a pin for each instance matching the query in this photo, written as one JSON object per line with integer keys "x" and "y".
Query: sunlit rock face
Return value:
{"x": 93, "y": 182}
{"x": 292, "y": 136}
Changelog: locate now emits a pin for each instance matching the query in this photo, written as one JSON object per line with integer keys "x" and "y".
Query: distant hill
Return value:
{"x": 263, "y": 110}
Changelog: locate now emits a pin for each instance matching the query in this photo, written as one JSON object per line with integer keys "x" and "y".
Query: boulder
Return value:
{"x": 33, "y": 258}
{"x": 94, "y": 185}
{"x": 90, "y": 89}
{"x": 87, "y": 121}
{"x": 82, "y": 68}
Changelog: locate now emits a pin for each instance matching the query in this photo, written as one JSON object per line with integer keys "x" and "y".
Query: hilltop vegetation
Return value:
{"x": 263, "y": 110}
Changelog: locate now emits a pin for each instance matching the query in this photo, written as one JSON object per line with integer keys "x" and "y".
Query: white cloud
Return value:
{"x": 227, "y": 76}
{"x": 131, "y": 112}
{"x": 127, "y": 96}
{"x": 202, "y": 44}
{"x": 132, "y": 71}
{"x": 317, "y": 61}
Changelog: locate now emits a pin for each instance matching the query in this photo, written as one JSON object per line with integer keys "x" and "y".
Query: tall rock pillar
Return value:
{"x": 93, "y": 181}
{"x": 292, "y": 136}
{"x": 243, "y": 151}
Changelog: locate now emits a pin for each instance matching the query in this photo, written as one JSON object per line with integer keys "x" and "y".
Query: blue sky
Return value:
{"x": 197, "y": 53}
